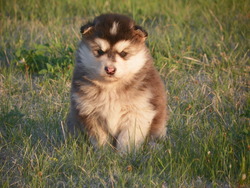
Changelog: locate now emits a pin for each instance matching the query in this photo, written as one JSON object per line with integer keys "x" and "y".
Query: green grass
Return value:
{"x": 201, "y": 49}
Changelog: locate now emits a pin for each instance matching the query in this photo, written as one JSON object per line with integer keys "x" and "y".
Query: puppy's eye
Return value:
{"x": 100, "y": 52}
{"x": 123, "y": 54}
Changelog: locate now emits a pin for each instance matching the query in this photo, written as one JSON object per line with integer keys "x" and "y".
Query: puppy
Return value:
{"x": 117, "y": 96}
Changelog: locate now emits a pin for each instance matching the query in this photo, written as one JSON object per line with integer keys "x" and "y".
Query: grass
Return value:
{"x": 201, "y": 49}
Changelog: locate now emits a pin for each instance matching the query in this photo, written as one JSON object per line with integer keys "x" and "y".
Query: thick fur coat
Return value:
{"x": 117, "y": 96}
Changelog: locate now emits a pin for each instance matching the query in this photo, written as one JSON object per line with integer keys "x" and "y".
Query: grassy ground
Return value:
{"x": 201, "y": 49}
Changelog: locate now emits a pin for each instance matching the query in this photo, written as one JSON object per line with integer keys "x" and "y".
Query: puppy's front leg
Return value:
{"x": 133, "y": 133}
{"x": 98, "y": 136}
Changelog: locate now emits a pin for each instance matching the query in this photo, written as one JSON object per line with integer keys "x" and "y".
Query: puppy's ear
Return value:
{"x": 140, "y": 32}
{"x": 87, "y": 29}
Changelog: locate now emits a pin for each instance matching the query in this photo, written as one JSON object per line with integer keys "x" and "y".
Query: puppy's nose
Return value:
{"x": 110, "y": 70}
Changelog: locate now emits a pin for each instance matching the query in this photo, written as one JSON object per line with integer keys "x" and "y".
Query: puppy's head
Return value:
{"x": 113, "y": 47}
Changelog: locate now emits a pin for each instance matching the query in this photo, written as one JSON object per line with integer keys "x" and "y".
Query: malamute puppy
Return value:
{"x": 117, "y": 96}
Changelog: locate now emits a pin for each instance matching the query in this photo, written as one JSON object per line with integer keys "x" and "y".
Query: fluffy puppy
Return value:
{"x": 117, "y": 96}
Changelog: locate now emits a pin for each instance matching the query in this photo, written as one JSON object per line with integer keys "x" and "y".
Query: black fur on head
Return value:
{"x": 126, "y": 29}
{"x": 86, "y": 28}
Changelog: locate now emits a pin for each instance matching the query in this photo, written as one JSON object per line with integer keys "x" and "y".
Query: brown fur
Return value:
{"x": 138, "y": 95}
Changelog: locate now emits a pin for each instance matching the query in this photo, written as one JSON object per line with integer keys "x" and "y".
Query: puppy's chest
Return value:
{"x": 111, "y": 107}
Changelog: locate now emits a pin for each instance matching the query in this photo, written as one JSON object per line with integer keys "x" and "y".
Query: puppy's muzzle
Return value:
{"x": 110, "y": 70}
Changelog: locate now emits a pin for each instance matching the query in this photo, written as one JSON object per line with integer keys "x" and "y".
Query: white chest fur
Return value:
{"x": 118, "y": 111}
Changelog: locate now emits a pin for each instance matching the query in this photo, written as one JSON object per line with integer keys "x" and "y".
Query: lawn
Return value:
{"x": 201, "y": 49}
